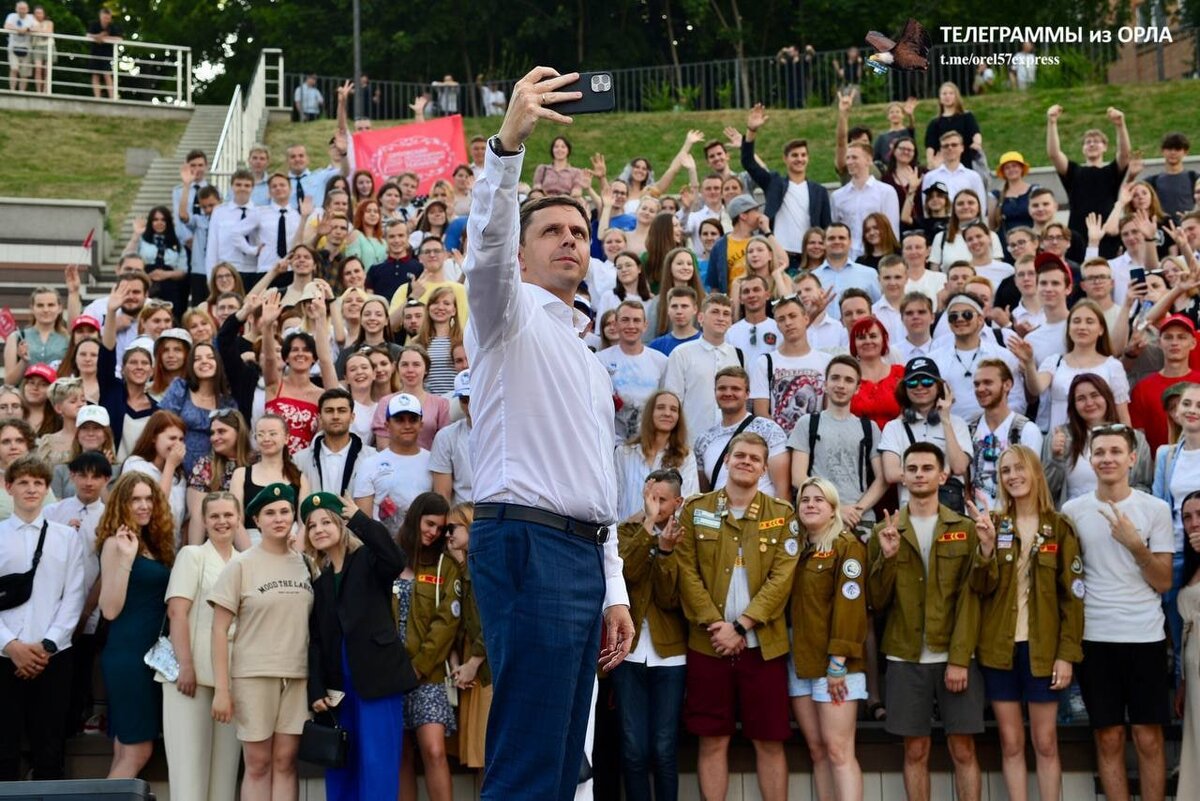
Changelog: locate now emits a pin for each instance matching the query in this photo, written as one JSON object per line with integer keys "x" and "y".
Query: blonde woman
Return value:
{"x": 44, "y": 342}
{"x": 829, "y": 608}
{"x": 761, "y": 260}
{"x": 66, "y": 397}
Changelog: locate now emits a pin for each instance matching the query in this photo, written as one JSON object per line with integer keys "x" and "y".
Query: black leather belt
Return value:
{"x": 592, "y": 532}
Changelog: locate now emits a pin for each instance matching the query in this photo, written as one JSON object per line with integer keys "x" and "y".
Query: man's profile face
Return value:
{"x": 554, "y": 250}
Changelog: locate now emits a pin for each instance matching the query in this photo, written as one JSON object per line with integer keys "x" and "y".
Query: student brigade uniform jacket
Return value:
{"x": 939, "y": 607}
{"x": 1056, "y": 590}
{"x": 652, "y": 579}
{"x": 434, "y": 616}
{"x": 707, "y": 553}
{"x": 470, "y": 633}
{"x": 829, "y": 607}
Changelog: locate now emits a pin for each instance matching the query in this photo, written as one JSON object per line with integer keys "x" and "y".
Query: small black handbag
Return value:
{"x": 16, "y": 588}
{"x": 323, "y": 744}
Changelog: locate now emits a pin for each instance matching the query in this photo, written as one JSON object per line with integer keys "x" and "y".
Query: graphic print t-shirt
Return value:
{"x": 796, "y": 386}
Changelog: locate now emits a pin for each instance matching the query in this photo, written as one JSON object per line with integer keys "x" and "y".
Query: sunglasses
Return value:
{"x": 991, "y": 448}
{"x": 923, "y": 381}
{"x": 965, "y": 316}
{"x": 1110, "y": 428}
{"x": 222, "y": 414}
{"x": 155, "y": 303}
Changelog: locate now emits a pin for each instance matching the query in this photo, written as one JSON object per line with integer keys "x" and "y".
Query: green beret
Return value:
{"x": 320, "y": 500}
{"x": 270, "y": 494}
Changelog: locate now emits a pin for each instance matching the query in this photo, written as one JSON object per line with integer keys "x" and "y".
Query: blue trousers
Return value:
{"x": 540, "y": 595}
{"x": 376, "y": 730}
{"x": 649, "y": 701}
{"x": 1174, "y": 620}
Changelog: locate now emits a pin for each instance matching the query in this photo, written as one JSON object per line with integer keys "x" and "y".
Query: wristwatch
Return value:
{"x": 498, "y": 148}
{"x": 739, "y": 628}
{"x": 49, "y": 647}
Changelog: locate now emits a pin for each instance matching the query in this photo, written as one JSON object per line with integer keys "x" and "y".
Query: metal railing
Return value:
{"x": 246, "y": 115}
{"x": 812, "y": 80}
{"x": 61, "y": 65}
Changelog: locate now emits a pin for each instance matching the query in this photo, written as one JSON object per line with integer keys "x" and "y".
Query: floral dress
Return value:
{"x": 428, "y": 703}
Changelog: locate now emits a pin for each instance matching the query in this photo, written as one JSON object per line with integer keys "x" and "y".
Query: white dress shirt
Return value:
{"x": 542, "y": 404}
{"x": 956, "y": 181}
{"x": 53, "y": 609}
{"x": 892, "y": 320}
{"x": 829, "y": 335}
{"x": 851, "y": 205}
{"x": 231, "y": 233}
{"x": 958, "y": 370}
{"x": 266, "y": 232}
{"x": 70, "y": 511}
{"x": 692, "y": 375}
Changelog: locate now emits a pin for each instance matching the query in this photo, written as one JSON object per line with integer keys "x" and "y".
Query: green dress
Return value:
{"x": 134, "y": 697}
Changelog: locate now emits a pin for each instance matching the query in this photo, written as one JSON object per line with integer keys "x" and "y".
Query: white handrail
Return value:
{"x": 62, "y": 65}
{"x": 245, "y": 116}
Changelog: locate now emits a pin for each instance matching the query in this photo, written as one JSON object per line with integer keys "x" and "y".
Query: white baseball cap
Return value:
{"x": 403, "y": 403}
{"x": 93, "y": 414}
{"x": 462, "y": 384}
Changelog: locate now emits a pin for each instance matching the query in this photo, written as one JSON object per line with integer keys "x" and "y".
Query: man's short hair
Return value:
{"x": 926, "y": 447}
{"x": 960, "y": 265}
{"x": 982, "y": 280}
{"x": 1041, "y": 190}
{"x": 948, "y": 135}
{"x": 854, "y": 292}
{"x": 845, "y": 360}
{"x": 864, "y": 147}
{"x": 1176, "y": 140}
{"x": 858, "y": 131}
{"x": 196, "y": 154}
{"x": 892, "y": 260}
{"x": 910, "y": 233}
{"x": 1023, "y": 229}
{"x": 753, "y": 439}
{"x": 1063, "y": 229}
{"x": 733, "y": 371}
{"x": 139, "y": 276}
{"x": 532, "y": 207}
{"x": 475, "y": 139}
{"x": 1090, "y": 132}
{"x": 833, "y": 225}
{"x": 28, "y": 465}
{"x": 669, "y": 476}
{"x": 1114, "y": 430}
{"x": 793, "y": 144}
{"x": 632, "y": 303}
{"x": 1193, "y": 216}
{"x": 681, "y": 292}
{"x": 259, "y": 147}
{"x": 762, "y": 279}
{"x": 999, "y": 364}
{"x": 238, "y": 296}
{"x": 404, "y": 175}
{"x": 429, "y": 238}
{"x": 242, "y": 175}
{"x": 716, "y": 299}
{"x": 209, "y": 191}
{"x": 91, "y": 463}
{"x": 396, "y": 223}
{"x": 280, "y": 175}
{"x": 916, "y": 297}
{"x": 337, "y": 393}
{"x": 713, "y": 143}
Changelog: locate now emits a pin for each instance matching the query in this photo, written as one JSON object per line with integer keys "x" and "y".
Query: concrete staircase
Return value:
{"x": 202, "y": 133}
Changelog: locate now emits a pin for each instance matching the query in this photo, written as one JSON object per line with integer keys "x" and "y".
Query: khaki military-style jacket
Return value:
{"x": 707, "y": 554}
{"x": 434, "y": 617}
{"x": 652, "y": 579}
{"x": 829, "y": 607}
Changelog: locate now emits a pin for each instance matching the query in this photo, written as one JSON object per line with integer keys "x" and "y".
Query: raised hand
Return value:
{"x": 946, "y": 403}
{"x": 734, "y": 136}
{"x": 687, "y": 161}
{"x": 532, "y": 99}
{"x": 694, "y": 137}
{"x": 1058, "y": 445}
{"x": 1115, "y": 115}
{"x": 272, "y": 306}
{"x": 1147, "y": 226}
{"x": 910, "y": 106}
{"x": 845, "y": 101}
{"x": 984, "y": 527}
{"x": 126, "y": 543}
{"x": 889, "y": 535}
{"x": 72, "y": 280}
{"x": 1137, "y": 163}
{"x": 757, "y": 117}
{"x": 139, "y": 225}
{"x": 1054, "y": 112}
{"x": 670, "y": 535}
{"x": 418, "y": 105}
{"x": 1021, "y": 349}
{"x": 186, "y": 174}
{"x": 306, "y": 206}
{"x": 650, "y": 503}
{"x": 599, "y": 168}
{"x": 1123, "y": 529}
{"x": 1095, "y": 227}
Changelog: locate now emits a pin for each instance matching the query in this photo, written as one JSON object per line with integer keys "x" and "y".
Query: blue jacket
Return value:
{"x": 775, "y": 187}
{"x": 716, "y": 277}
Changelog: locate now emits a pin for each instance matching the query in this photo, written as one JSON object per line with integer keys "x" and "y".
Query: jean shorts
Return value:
{"x": 856, "y": 686}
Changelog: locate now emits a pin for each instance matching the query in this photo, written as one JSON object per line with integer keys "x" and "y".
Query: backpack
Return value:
{"x": 866, "y": 475}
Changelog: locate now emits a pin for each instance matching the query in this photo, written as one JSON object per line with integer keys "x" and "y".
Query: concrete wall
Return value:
{"x": 25, "y": 101}
{"x": 37, "y": 230}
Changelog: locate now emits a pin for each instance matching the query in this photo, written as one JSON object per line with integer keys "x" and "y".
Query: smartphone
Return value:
{"x": 1137, "y": 275}
{"x": 598, "y": 94}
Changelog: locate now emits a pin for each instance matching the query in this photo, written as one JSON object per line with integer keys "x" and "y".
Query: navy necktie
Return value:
{"x": 243, "y": 208}
{"x": 281, "y": 234}
{"x": 160, "y": 244}
{"x": 299, "y": 190}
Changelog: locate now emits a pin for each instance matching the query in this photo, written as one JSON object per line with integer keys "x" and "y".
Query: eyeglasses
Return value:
{"x": 1096, "y": 279}
{"x": 965, "y": 316}
{"x": 922, "y": 381}
{"x": 433, "y": 252}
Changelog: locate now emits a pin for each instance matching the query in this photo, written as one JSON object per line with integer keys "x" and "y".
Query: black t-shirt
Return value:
{"x": 1091, "y": 190}
{"x": 103, "y": 48}
{"x": 964, "y": 123}
{"x": 389, "y": 275}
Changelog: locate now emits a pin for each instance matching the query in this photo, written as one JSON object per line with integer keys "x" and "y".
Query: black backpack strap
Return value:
{"x": 770, "y": 383}
{"x": 716, "y": 471}
{"x": 864, "y": 455}
{"x": 37, "y": 554}
{"x": 814, "y": 422}
{"x": 908, "y": 430}
{"x": 741, "y": 358}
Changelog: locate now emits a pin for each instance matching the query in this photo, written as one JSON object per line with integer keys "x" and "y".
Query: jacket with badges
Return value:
{"x": 1056, "y": 590}
{"x": 707, "y": 553}
{"x": 652, "y": 579}
{"x": 829, "y": 607}
{"x": 470, "y": 633}
{"x": 940, "y": 607}
{"x": 434, "y": 617}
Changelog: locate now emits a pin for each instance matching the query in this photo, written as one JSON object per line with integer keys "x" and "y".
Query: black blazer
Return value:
{"x": 361, "y": 615}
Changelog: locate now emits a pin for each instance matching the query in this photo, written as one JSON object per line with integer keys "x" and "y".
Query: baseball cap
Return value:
{"x": 922, "y": 366}
{"x": 462, "y": 384}
{"x": 92, "y": 414}
{"x": 85, "y": 319}
{"x": 1178, "y": 319}
{"x": 42, "y": 371}
{"x": 403, "y": 403}
{"x": 740, "y": 205}
{"x": 177, "y": 333}
{"x": 937, "y": 186}
{"x": 144, "y": 344}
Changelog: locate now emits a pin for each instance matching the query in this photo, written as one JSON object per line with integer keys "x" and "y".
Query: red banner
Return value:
{"x": 430, "y": 149}
{"x": 8, "y": 323}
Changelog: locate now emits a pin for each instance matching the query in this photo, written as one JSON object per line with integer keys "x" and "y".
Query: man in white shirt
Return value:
{"x": 838, "y": 272}
{"x": 36, "y": 629}
{"x": 863, "y": 195}
{"x": 732, "y": 392}
{"x": 1128, "y": 543}
{"x": 893, "y": 278}
{"x": 388, "y": 481}
{"x": 789, "y": 383}
{"x": 273, "y": 226}
{"x": 692, "y": 367}
{"x": 969, "y": 345}
{"x": 952, "y": 172}
{"x": 635, "y": 369}
{"x": 542, "y": 456}
{"x": 450, "y": 458}
{"x": 756, "y": 333}
{"x": 225, "y": 241}
{"x": 916, "y": 310}
{"x": 997, "y": 428}
{"x": 194, "y": 175}
{"x": 824, "y": 332}
{"x": 708, "y": 207}
{"x": 331, "y": 462}
{"x": 1050, "y": 338}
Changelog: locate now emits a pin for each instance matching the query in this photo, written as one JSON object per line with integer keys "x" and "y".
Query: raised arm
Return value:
{"x": 843, "y": 129}
{"x": 271, "y": 365}
{"x": 677, "y": 163}
{"x": 1053, "y": 146}
{"x": 1117, "y": 118}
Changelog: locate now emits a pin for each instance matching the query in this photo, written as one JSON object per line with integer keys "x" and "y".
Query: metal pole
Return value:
{"x": 358, "y": 100}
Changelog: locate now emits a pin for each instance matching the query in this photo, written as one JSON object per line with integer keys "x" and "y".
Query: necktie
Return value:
{"x": 243, "y": 208}
{"x": 160, "y": 244}
{"x": 195, "y": 199}
{"x": 281, "y": 234}
{"x": 299, "y": 190}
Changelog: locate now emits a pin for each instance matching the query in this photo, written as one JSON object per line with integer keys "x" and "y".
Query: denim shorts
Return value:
{"x": 1018, "y": 683}
{"x": 856, "y": 686}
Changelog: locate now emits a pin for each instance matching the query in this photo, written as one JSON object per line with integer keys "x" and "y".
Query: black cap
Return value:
{"x": 936, "y": 186}
{"x": 922, "y": 365}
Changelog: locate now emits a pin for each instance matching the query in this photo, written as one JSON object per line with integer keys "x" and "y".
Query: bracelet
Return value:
{"x": 835, "y": 673}
{"x": 836, "y": 663}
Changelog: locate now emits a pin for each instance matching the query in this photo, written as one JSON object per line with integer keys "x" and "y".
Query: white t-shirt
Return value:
{"x": 391, "y": 475}
{"x": 1111, "y": 370}
{"x": 450, "y": 455}
{"x": 792, "y": 219}
{"x": 1119, "y": 606}
{"x": 989, "y": 444}
{"x": 894, "y": 438}
{"x": 712, "y": 442}
{"x": 929, "y": 285}
{"x": 754, "y": 339}
{"x": 828, "y": 335}
{"x": 994, "y": 271}
{"x": 635, "y": 377}
{"x": 796, "y": 387}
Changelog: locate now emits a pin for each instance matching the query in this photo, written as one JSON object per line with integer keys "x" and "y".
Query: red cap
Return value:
{"x": 85, "y": 319}
{"x": 1178, "y": 319}
{"x": 1042, "y": 259}
{"x": 43, "y": 370}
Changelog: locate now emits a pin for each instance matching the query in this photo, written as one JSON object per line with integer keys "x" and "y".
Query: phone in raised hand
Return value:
{"x": 598, "y": 91}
